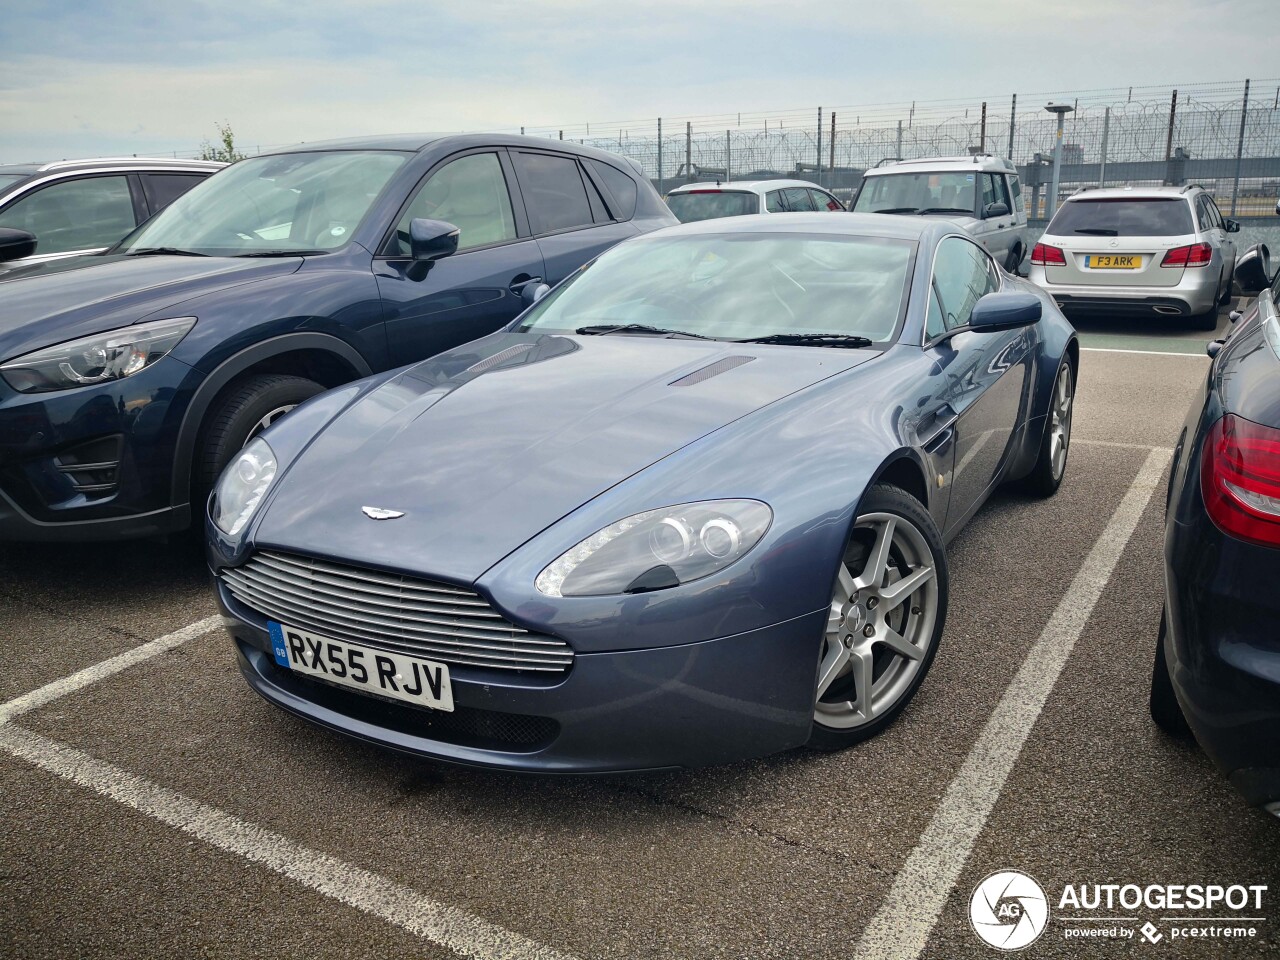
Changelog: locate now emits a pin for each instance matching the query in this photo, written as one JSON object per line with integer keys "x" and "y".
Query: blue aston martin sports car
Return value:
{"x": 691, "y": 506}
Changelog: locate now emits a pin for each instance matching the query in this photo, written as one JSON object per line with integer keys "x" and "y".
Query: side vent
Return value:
{"x": 723, "y": 365}
{"x": 499, "y": 358}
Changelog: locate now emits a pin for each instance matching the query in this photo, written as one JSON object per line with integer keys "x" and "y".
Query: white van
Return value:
{"x": 980, "y": 193}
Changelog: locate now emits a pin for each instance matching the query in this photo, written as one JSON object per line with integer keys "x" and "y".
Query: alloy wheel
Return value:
{"x": 271, "y": 417}
{"x": 1060, "y": 420}
{"x": 881, "y": 622}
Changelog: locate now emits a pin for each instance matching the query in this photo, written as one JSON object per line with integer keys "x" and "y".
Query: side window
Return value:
{"x": 164, "y": 188}
{"x": 798, "y": 199}
{"x": 471, "y": 193}
{"x": 1015, "y": 186}
{"x": 824, "y": 201}
{"x": 1002, "y": 192}
{"x": 554, "y": 194}
{"x": 1215, "y": 215}
{"x": 75, "y": 214}
{"x": 774, "y": 202}
{"x": 621, "y": 186}
{"x": 962, "y": 275}
{"x": 993, "y": 190}
{"x": 933, "y": 323}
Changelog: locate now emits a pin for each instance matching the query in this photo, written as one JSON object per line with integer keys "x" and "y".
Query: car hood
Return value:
{"x": 64, "y": 299}
{"x": 489, "y": 444}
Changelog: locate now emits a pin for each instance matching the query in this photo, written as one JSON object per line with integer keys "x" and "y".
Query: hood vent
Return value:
{"x": 499, "y": 358}
{"x": 723, "y": 365}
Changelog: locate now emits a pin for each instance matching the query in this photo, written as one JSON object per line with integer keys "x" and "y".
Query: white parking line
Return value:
{"x": 446, "y": 926}
{"x": 100, "y": 671}
{"x": 901, "y": 927}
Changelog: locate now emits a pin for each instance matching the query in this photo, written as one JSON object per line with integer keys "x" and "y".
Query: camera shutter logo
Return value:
{"x": 1009, "y": 910}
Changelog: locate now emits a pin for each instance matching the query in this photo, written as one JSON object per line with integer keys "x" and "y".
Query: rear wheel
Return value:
{"x": 1014, "y": 260}
{"x": 1165, "y": 709}
{"x": 1051, "y": 462}
{"x": 888, "y": 606}
{"x": 247, "y": 408}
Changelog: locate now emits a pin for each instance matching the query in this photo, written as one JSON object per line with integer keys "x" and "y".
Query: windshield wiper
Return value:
{"x": 896, "y": 210}
{"x": 166, "y": 251}
{"x": 945, "y": 210}
{"x": 603, "y": 329}
{"x": 1098, "y": 231}
{"x": 813, "y": 340}
{"x": 281, "y": 253}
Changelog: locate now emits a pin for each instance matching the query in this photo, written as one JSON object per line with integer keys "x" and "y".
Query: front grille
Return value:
{"x": 438, "y": 621}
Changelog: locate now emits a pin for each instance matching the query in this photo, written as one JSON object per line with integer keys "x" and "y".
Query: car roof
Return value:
{"x": 97, "y": 163}
{"x": 983, "y": 162}
{"x": 847, "y": 224}
{"x": 753, "y": 186}
{"x": 417, "y": 142}
{"x": 1133, "y": 193}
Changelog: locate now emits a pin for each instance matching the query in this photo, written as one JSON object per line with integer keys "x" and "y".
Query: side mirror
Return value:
{"x": 1213, "y": 348}
{"x": 531, "y": 293}
{"x": 996, "y": 210}
{"x": 1005, "y": 311}
{"x": 1233, "y": 226}
{"x": 432, "y": 239}
{"x": 1253, "y": 269}
{"x": 16, "y": 244}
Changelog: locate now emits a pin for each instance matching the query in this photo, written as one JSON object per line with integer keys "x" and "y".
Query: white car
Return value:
{"x": 981, "y": 194}
{"x": 1138, "y": 251}
{"x": 739, "y": 198}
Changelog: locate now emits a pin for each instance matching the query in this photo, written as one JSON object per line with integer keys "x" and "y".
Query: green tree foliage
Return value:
{"x": 225, "y": 150}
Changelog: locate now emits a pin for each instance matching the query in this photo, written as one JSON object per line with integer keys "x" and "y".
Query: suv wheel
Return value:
{"x": 248, "y": 407}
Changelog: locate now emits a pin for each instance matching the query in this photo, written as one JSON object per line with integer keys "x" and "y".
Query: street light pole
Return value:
{"x": 1061, "y": 109}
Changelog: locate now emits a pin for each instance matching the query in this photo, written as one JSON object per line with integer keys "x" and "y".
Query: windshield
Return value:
{"x": 276, "y": 204}
{"x": 738, "y": 287}
{"x": 712, "y": 204}
{"x": 1156, "y": 217}
{"x": 918, "y": 193}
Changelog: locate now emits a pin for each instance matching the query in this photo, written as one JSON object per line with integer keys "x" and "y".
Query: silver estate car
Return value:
{"x": 74, "y": 207}
{"x": 1138, "y": 251}
{"x": 739, "y": 198}
{"x": 980, "y": 194}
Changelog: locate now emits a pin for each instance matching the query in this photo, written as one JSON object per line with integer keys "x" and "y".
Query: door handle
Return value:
{"x": 522, "y": 280}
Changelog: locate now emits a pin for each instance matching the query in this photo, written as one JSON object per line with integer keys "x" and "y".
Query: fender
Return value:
{"x": 231, "y": 368}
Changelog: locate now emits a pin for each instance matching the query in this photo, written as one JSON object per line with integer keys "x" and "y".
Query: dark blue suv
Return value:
{"x": 127, "y": 380}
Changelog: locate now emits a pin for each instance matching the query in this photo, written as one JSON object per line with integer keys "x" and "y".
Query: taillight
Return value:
{"x": 1047, "y": 256}
{"x": 1196, "y": 255}
{"x": 1240, "y": 479}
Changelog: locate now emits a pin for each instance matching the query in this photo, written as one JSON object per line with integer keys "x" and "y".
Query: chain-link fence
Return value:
{"x": 1225, "y": 136}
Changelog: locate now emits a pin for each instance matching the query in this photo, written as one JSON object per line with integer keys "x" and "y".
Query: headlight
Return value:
{"x": 658, "y": 549}
{"x": 104, "y": 356}
{"x": 242, "y": 486}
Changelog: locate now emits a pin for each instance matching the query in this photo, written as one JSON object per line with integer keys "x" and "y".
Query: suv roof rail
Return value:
{"x": 89, "y": 161}
{"x": 1190, "y": 186}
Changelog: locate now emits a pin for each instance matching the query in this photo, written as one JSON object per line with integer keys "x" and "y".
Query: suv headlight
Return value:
{"x": 96, "y": 359}
{"x": 242, "y": 486}
{"x": 658, "y": 549}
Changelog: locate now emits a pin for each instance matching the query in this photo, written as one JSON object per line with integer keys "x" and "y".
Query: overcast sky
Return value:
{"x": 150, "y": 76}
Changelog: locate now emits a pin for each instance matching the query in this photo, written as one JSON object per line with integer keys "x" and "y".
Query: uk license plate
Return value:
{"x": 1113, "y": 261}
{"x": 413, "y": 680}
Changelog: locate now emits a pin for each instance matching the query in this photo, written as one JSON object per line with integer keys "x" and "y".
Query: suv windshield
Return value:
{"x": 266, "y": 205}
{"x": 918, "y": 193}
{"x": 737, "y": 287}
{"x": 1154, "y": 217}
{"x": 712, "y": 204}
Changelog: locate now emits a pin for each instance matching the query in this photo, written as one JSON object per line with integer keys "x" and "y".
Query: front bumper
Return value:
{"x": 692, "y": 704}
{"x": 1223, "y": 648}
{"x": 1194, "y": 294}
{"x": 96, "y": 462}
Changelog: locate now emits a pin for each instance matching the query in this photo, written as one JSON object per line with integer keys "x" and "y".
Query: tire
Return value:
{"x": 1046, "y": 476}
{"x": 1165, "y": 709}
{"x": 894, "y": 635}
{"x": 244, "y": 410}
{"x": 1207, "y": 321}
{"x": 1014, "y": 259}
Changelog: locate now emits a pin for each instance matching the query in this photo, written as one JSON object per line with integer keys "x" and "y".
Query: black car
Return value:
{"x": 76, "y": 207}
{"x": 128, "y": 379}
{"x": 1217, "y": 666}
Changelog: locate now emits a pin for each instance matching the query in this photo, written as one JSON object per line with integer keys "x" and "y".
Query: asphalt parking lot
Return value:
{"x": 155, "y": 807}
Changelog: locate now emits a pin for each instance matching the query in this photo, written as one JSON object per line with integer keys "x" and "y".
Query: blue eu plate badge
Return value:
{"x": 277, "y": 644}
